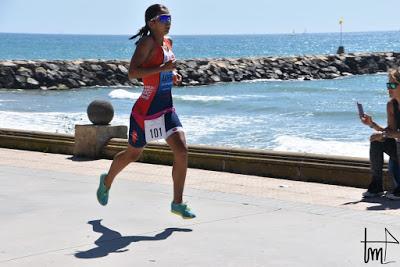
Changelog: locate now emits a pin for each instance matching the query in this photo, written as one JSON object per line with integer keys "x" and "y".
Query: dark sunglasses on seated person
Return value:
{"x": 391, "y": 85}
{"x": 163, "y": 18}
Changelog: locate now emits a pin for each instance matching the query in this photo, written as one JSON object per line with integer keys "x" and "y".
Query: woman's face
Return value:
{"x": 161, "y": 23}
{"x": 394, "y": 92}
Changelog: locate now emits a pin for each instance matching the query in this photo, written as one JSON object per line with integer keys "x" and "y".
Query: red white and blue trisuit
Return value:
{"x": 156, "y": 98}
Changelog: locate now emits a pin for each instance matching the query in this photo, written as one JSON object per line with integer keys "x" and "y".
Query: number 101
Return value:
{"x": 156, "y": 132}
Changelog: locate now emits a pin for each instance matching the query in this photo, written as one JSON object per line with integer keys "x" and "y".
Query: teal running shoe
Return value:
{"x": 102, "y": 191}
{"x": 182, "y": 210}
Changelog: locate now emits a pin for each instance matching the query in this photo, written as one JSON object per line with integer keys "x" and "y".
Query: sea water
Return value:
{"x": 317, "y": 116}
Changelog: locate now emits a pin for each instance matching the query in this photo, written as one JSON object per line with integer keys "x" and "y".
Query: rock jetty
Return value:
{"x": 61, "y": 74}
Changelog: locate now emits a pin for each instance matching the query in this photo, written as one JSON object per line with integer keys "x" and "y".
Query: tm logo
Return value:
{"x": 379, "y": 251}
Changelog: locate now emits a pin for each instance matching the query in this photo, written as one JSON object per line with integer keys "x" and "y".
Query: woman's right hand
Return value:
{"x": 169, "y": 65}
{"x": 378, "y": 136}
{"x": 367, "y": 120}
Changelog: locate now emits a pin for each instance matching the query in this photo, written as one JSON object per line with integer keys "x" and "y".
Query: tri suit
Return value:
{"x": 155, "y": 100}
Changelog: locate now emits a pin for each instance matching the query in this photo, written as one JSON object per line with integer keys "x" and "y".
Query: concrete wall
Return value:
{"x": 337, "y": 170}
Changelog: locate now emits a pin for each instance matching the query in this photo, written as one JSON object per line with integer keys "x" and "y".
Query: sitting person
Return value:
{"x": 383, "y": 141}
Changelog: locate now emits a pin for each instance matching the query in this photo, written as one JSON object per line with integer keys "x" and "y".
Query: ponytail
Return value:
{"x": 144, "y": 31}
{"x": 150, "y": 13}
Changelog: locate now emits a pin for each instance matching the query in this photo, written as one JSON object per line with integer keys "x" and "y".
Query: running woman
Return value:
{"x": 153, "y": 115}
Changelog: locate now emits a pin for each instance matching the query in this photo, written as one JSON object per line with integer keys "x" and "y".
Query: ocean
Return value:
{"x": 317, "y": 116}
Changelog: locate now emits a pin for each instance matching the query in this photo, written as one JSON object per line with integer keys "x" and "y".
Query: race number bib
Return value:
{"x": 155, "y": 129}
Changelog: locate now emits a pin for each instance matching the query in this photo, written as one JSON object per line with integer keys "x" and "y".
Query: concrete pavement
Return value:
{"x": 50, "y": 217}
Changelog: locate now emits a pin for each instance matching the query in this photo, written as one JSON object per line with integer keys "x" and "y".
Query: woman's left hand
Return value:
{"x": 177, "y": 78}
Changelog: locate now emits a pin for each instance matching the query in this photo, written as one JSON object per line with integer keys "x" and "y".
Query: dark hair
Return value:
{"x": 151, "y": 12}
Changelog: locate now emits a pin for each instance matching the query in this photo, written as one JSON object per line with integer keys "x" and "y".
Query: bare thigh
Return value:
{"x": 177, "y": 142}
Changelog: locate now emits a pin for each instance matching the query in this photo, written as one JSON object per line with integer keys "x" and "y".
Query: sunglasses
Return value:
{"x": 163, "y": 18}
{"x": 391, "y": 85}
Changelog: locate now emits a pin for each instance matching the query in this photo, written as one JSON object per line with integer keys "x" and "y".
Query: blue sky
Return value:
{"x": 199, "y": 17}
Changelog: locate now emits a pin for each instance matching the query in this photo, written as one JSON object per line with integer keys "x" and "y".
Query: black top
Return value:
{"x": 396, "y": 113}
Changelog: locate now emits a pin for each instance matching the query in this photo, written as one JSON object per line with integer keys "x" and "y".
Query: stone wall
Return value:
{"x": 305, "y": 167}
{"x": 59, "y": 74}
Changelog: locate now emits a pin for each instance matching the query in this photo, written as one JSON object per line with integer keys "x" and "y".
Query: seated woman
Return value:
{"x": 383, "y": 141}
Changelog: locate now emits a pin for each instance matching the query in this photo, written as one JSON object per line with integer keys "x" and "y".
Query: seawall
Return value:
{"x": 61, "y": 74}
{"x": 338, "y": 170}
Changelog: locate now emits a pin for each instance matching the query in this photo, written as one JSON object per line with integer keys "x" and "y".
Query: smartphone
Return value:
{"x": 360, "y": 110}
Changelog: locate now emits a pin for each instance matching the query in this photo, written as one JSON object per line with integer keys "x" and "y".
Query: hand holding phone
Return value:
{"x": 360, "y": 110}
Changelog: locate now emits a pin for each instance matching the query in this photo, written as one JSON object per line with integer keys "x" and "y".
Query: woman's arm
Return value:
{"x": 176, "y": 77}
{"x": 391, "y": 130}
{"x": 391, "y": 119}
{"x": 141, "y": 54}
{"x": 367, "y": 120}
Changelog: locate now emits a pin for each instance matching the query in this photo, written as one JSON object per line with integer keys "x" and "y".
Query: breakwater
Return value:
{"x": 61, "y": 74}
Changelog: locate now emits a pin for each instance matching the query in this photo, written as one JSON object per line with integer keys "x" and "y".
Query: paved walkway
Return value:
{"x": 50, "y": 217}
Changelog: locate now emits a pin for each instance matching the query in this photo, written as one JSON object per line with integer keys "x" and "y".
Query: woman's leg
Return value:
{"x": 177, "y": 143}
{"x": 376, "y": 159}
{"x": 393, "y": 167}
{"x": 377, "y": 149}
{"x": 121, "y": 160}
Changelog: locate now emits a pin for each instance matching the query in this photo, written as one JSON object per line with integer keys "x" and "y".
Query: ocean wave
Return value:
{"x": 262, "y": 80}
{"x": 218, "y": 98}
{"x": 55, "y": 122}
{"x": 200, "y": 98}
{"x": 123, "y": 94}
{"x": 221, "y": 130}
{"x": 319, "y": 146}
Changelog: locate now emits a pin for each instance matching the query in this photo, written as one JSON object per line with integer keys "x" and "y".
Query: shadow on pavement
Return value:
{"x": 383, "y": 203}
{"x": 78, "y": 159}
{"x": 113, "y": 242}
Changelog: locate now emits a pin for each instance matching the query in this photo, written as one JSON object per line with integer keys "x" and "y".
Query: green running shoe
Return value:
{"x": 182, "y": 210}
{"x": 102, "y": 191}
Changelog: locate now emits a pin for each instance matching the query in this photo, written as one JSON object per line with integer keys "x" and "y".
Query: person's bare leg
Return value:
{"x": 177, "y": 143}
{"x": 121, "y": 160}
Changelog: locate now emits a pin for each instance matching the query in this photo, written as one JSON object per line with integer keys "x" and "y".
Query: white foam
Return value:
{"x": 201, "y": 98}
{"x": 55, "y": 122}
{"x": 231, "y": 131}
{"x": 263, "y": 80}
{"x": 327, "y": 147}
{"x": 123, "y": 94}
{"x": 222, "y": 130}
{"x": 218, "y": 98}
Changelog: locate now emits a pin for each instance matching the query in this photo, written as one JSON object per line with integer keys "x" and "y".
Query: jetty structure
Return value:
{"x": 62, "y": 74}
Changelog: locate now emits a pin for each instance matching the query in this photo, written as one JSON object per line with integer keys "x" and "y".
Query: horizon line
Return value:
{"x": 203, "y": 34}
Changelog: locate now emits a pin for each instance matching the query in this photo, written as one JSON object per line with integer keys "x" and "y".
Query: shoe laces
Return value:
{"x": 184, "y": 206}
